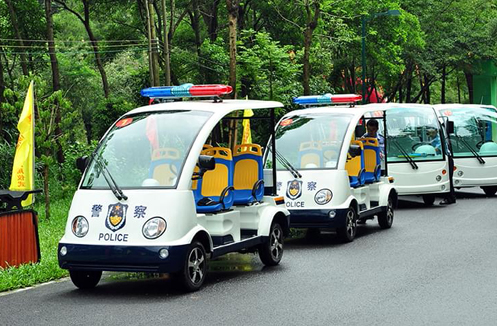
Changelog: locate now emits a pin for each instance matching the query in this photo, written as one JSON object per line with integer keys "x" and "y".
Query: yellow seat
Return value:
{"x": 164, "y": 166}
{"x": 310, "y": 154}
{"x": 355, "y": 166}
{"x": 248, "y": 174}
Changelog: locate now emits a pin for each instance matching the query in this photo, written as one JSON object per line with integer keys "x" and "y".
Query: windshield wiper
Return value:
{"x": 408, "y": 158}
{"x": 287, "y": 164}
{"x": 112, "y": 183}
{"x": 475, "y": 154}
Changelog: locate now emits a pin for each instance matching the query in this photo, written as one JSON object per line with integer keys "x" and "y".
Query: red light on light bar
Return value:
{"x": 206, "y": 90}
{"x": 345, "y": 98}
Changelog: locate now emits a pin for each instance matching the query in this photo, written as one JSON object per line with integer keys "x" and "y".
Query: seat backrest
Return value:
{"x": 213, "y": 182}
{"x": 355, "y": 164}
{"x": 164, "y": 165}
{"x": 248, "y": 166}
{"x": 310, "y": 154}
{"x": 371, "y": 153}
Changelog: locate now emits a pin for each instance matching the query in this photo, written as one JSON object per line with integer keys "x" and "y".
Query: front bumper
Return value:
{"x": 317, "y": 218}
{"x": 122, "y": 258}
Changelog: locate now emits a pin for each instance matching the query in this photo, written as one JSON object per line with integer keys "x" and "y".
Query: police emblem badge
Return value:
{"x": 116, "y": 217}
{"x": 294, "y": 189}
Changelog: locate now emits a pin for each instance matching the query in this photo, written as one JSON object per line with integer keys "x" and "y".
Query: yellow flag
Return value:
{"x": 247, "y": 136}
{"x": 23, "y": 169}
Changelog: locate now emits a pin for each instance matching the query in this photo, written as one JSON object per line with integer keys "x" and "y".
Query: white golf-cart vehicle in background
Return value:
{"x": 156, "y": 198}
{"x": 331, "y": 176}
{"x": 474, "y": 144}
{"x": 418, "y": 156}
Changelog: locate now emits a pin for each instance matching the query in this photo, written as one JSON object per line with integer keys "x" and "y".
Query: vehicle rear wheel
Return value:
{"x": 272, "y": 251}
{"x": 85, "y": 279}
{"x": 489, "y": 190}
{"x": 195, "y": 268}
{"x": 428, "y": 199}
{"x": 347, "y": 233}
{"x": 385, "y": 219}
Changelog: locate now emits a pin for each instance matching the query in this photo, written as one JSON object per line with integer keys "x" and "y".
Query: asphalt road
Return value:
{"x": 435, "y": 266}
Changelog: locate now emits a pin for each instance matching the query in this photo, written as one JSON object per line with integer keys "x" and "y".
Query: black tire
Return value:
{"x": 428, "y": 199}
{"x": 489, "y": 190}
{"x": 85, "y": 279}
{"x": 385, "y": 219}
{"x": 272, "y": 251}
{"x": 348, "y": 232}
{"x": 192, "y": 276}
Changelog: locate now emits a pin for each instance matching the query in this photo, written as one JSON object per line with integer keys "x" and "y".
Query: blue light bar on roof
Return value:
{"x": 186, "y": 90}
{"x": 327, "y": 99}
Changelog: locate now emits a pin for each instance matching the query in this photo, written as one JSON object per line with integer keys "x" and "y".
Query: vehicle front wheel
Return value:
{"x": 347, "y": 233}
{"x": 489, "y": 190}
{"x": 272, "y": 251}
{"x": 85, "y": 279}
{"x": 195, "y": 268}
{"x": 428, "y": 199}
{"x": 385, "y": 219}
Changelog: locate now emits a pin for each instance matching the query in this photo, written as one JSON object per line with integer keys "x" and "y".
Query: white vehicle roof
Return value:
{"x": 219, "y": 108}
{"x": 458, "y": 105}
{"x": 386, "y": 106}
{"x": 357, "y": 111}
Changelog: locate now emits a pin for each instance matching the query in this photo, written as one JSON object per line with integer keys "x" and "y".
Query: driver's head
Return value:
{"x": 432, "y": 132}
{"x": 372, "y": 127}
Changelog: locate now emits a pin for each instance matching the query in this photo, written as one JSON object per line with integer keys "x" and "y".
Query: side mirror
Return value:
{"x": 82, "y": 163}
{"x": 450, "y": 127}
{"x": 355, "y": 150}
{"x": 206, "y": 163}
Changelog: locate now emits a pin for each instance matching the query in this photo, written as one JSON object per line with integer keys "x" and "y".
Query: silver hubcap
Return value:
{"x": 389, "y": 213}
{"x": 196, "y": 262}
{"x": 351, "y": 223}
{"x": 276, "y": 243}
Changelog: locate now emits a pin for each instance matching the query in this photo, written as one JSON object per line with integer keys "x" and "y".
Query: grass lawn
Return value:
{"x": 50, "y": 232}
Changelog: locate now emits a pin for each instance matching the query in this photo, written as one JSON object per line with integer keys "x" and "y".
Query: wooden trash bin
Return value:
{"x": 19, "y": 242}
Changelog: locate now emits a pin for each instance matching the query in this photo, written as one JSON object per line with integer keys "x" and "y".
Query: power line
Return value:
{"x": 102, "y": 44}
{"x": 68, "y": 41}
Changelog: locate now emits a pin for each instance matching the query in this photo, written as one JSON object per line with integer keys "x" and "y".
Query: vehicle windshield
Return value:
{"x": 415, "y": 133}
{"x": 311, "y": 141}
{"x": 146, "y": 150}
{"x": 475, "y": 130}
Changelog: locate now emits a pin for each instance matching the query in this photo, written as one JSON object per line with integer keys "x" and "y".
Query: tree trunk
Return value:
{"x": 55, "y": 76}
{"x": 2, "y": 88}
{"x": 15, "y": 25}
{"x": 166, "y": 45}
{"x": 149, "y": 37}
{"x": 312, "y": 23}
{"x": 469, "y": 81}
{"x": 443, "y": 84}
{"x": 86, "y": 22}
{"x": 232, "y": 6}
{"x": 195, "y": 21}
{"x": 427, "y": 89}
{"x": 155, "y": 53}
{"x": 409, "y": 85}
{"x": 209, "y": 13}
{"x": 45, "y": 190}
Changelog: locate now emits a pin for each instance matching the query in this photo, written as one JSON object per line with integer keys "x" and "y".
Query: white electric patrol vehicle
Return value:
{"x": 417, "y": 150}
{"x": 330, "y": 175}
{"x": 156, "y": 198}
{"x": 474, "y": 145}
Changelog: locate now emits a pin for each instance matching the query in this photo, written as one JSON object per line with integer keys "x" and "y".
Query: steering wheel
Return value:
{"x": 418, "y": 144}
{"x": 481, "y": 142}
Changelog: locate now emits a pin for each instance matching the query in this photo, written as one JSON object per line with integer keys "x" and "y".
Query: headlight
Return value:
{"x": 323, "y": 196}
{"x": 153, "y": 228}
{"x": 80, "y": 226}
